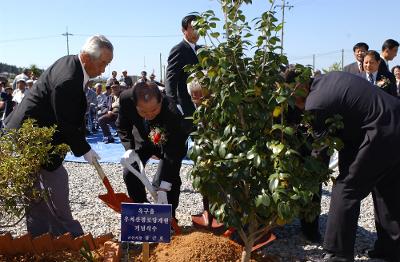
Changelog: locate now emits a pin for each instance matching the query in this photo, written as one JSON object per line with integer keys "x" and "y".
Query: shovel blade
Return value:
{"x": 114, "y": 201}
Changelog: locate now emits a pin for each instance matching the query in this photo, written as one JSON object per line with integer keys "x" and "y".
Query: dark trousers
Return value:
{"x": 386, "y": 199}
{"x": 344, "y": 210}
{"x": 53, "y": 215}
{"x": 105, "y": 120}
{"x": 168, "y": 170}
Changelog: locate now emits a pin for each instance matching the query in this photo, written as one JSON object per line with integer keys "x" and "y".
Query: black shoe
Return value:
{"x": 375, "y": 253}
{"x": 108, "y": 140}
{"x": 331, "y": 257}
{"x": 379, "y": 254}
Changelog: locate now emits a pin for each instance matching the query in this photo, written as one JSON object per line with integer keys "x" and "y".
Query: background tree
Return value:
{"x": 334, "y": 67}
{"x": 35, "y": 70}
{"x": 247, "y": 152}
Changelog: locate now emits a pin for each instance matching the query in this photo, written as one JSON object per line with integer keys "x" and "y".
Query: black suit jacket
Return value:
{"x": 57, "y": 98}
{"x": 371, "y": 119}
{"x": 134, "y": 131}
{"x": 391, "y": 88}
{"x": 352, "y": 68}
{"x": 175, "y": 84}
{"x": 383, "y": 67}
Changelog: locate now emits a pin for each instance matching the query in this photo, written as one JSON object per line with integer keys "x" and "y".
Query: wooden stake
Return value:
{"x": 145, "y": 251}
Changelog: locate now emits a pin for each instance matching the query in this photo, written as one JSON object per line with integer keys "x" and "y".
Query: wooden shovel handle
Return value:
{"x": 103, "y": 177}
{"x": 99, "y": 169}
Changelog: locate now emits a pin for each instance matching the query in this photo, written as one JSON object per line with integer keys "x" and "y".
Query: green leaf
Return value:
{"x": 257, "y": 161}
{"x": 222, "y": 150}
{"x": 276, "y": 148}
{"x": 289, "y": 130}
{"x": 273, "y": 184}
{"x": 262, "y": 199}
{"x": 251, "y": 155}
{"x": 229, "y": 156}
{"x": 281, "y": 99}
{"x": 277, "y": 126}
{"x": 215, "y": 34}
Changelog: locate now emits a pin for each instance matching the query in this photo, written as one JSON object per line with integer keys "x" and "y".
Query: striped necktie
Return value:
{"x": 371, "y": 78}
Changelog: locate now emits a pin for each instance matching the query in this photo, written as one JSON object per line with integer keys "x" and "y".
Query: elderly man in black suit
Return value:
{"x": 149, "y": 123}
{"x": 359, "y": 50}
{"x": 181, "y": 55}
{"x": 367, "y": 163}
{"x": 58, "y": 98}
{"x": 381, "y": 79}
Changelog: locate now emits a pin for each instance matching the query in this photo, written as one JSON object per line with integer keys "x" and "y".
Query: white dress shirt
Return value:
{"x": 85, "y": 74}
{"x": 193, "y": 46}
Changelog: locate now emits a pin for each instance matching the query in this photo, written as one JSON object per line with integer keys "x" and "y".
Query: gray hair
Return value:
{"x": 193, "y": 86}
{"x": 94, "y": 44}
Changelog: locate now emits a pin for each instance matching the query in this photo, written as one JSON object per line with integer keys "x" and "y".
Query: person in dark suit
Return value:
{"x": 367, "y": 163}
{"x": 58, "y": 98}
{"x": 396, "y": 73}
{"x": 389, "y": 52}
{"x": 149, "y": 123}
{"x": 359, "y": 50}
{"x": 181, "y": 55}
{"x": 381, "y": 79}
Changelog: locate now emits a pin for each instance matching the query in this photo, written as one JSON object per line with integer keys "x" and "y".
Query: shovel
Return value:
{"x": 145, "y": 181}
{"x": 111, "y": 199}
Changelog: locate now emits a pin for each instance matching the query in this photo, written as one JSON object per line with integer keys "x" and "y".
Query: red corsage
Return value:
{"x": 158, "y": 136}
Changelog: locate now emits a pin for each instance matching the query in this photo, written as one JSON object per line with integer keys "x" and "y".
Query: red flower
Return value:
{"x": 156, "y": 138}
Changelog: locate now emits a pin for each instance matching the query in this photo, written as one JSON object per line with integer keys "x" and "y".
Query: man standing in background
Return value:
{"x": 359, "y": 49}
{"x": 112, "y": 79}
{"x": 181, "y": 55}
{"x": 389, "y": 52}
{"x": 126, "y": 79}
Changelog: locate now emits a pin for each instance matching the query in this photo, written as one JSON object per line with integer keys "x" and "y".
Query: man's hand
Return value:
{"x": 130, "y": 156}
{"x": 90, "y": 156}
{"x": 162, "y": 197}
{"x": 162, "y": 192}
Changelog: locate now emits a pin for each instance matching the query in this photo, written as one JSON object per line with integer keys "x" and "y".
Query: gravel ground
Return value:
{"x": 98, "y": 219}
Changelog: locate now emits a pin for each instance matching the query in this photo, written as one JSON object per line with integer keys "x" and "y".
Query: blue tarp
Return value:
{"x": 109, "y": 153}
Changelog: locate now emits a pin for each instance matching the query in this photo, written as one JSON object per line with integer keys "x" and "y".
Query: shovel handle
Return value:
{"x": 103, "y": 177}
{"x": 99, "y": 169}
{"x": 142, "y": 177}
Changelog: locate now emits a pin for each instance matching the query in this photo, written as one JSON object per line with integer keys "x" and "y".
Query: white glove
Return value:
{"x": 165, "y": 186}
{"x": 162, "y": 192}
{"x": 130, "y": 156}
{"x": 90, "y": 155}
{"x": 162, "y": 197}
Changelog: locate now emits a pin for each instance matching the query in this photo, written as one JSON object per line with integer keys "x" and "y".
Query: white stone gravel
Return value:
{"x": 98, "y": 219}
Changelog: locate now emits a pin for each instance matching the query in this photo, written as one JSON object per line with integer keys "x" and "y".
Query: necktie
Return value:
{"x": 371, "y": 78}
{"x": 146, "y": 125}
{"x": 360, "y": 67}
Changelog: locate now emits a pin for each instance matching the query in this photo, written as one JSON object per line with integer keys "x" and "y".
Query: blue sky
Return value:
{"x": 30, "y": 32}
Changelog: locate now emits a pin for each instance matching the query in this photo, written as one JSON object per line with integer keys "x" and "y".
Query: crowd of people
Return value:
{"x": 153, "y": 118}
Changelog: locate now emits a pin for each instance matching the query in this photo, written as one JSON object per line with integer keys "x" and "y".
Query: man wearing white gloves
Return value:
{"x": 58, "y": 98}
{"x": 148, "y": 124}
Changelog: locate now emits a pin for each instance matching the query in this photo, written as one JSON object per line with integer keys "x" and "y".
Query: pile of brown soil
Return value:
{"x": 200, "y": 247}
{"x": 197, "y": 246}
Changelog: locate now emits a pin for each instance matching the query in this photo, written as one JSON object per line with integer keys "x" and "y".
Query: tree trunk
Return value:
{"x": 246, "y": 254}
